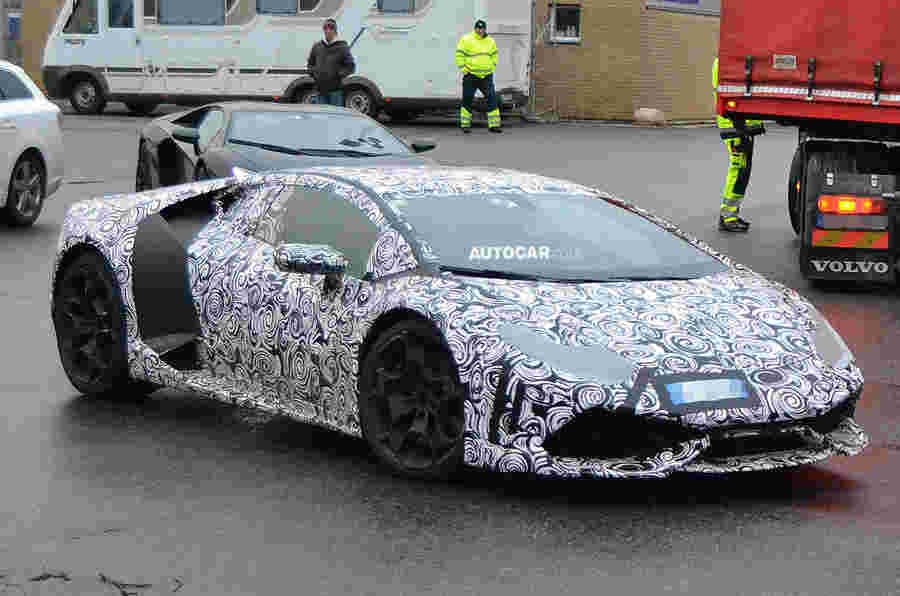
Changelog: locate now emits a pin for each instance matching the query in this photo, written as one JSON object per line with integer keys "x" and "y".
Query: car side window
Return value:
{"x": 318, "y": 217}
{"x": 209, "y": 126}
{"x": 12, "y": 87}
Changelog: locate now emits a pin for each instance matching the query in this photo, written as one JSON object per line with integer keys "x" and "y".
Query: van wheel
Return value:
{"x": 87, "y": 97}
{"x": 141, "y": 109}
{"x": 361, "y": 101}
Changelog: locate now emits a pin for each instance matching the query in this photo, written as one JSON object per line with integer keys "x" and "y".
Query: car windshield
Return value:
{"x": 555, "y": 237}
{"x": 313, "y": 133}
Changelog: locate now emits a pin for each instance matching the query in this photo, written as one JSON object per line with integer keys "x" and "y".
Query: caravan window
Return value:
{"x": 83, "y": 18}
{"x": 285, "y": 6}
{"x": 121, "y": 14}
{"x": 405, "y": 6}
{"x": 195, "y": 12}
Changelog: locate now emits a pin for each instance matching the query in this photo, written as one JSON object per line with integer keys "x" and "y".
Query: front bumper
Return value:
{"x": 765, "y": 447}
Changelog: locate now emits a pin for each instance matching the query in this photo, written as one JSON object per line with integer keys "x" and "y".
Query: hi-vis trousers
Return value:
{"x": 486, "y": 86}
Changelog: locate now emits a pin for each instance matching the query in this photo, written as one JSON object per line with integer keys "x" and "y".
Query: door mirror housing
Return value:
{"x": 314, "y": 259}
{"x": 422, "y": 145}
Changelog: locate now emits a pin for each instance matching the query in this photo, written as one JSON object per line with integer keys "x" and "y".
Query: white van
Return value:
{"x": 192, "y": 52}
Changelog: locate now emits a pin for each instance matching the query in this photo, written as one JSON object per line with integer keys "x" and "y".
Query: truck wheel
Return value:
{"x": 795, "y": 205}
{"x": 87, "y": 97}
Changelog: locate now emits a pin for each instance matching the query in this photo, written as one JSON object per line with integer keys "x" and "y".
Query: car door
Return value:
{"x": 298, "y": 331}
{"x": 16, "y": 120}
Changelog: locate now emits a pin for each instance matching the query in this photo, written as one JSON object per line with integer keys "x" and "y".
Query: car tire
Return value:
{"x": 360, "y": 100}
{"x": 143, "y": 177}
{"x": 411, "y": 403}
{"x": 87, "y": 97}
{"x": 88, "y": 316}
{"x": 795, "y": 205}
{"x": 141, "y": 109}
{"x": 26, "y": 192}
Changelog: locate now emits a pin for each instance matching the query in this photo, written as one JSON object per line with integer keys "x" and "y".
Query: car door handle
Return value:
{"x": 7, "y": 125}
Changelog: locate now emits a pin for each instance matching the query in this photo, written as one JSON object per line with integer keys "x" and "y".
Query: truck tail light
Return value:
{"x": 847, "y": 205}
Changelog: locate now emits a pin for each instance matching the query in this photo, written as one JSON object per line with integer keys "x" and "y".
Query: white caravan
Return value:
{"x": 192, "y": 52}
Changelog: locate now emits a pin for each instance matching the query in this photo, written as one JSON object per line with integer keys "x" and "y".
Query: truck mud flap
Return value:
{"x": 166, "y": 315}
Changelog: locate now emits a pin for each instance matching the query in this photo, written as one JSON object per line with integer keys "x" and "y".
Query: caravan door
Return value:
{"x": 124, "y": 70}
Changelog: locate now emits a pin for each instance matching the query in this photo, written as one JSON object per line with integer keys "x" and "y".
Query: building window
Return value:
{"x": 565, "y": 23}
{"x": 402, "y": 6}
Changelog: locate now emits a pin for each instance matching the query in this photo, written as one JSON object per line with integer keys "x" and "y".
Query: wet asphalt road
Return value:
{"x": 181, "y": 495}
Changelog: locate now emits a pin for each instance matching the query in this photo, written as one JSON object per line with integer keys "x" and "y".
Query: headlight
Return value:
{"x": 829, "y": 344}
{"x": 241, "y": 173}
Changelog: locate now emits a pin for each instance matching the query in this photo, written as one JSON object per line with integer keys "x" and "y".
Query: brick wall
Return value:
{"x": 677, "y": 52}
{"x": 598, "y": 77}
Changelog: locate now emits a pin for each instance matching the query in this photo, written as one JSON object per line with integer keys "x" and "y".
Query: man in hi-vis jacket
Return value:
{"x": 476, "y": 58}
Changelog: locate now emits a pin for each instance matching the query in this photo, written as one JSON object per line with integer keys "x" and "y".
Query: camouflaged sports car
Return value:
{"x": 454, "y": 316}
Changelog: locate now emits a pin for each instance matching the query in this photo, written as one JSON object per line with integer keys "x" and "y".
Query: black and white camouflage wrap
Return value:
{"x": 275, "y": 340}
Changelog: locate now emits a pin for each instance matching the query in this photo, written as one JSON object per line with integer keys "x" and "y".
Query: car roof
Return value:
{"x": 267, "y": 106}
{"x": 401, "y": 181}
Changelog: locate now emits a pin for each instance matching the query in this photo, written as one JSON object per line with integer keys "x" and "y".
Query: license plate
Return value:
{"x": 687, "y": 393}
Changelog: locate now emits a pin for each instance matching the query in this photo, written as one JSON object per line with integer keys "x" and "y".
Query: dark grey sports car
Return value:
{"x": 226, "y": 139}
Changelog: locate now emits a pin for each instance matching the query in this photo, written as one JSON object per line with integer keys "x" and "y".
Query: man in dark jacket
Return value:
{"x": 329, "y": 62}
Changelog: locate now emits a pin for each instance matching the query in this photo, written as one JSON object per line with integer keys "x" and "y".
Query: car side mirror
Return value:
{"x": 422, "y": 145}
{"x": 315, "y": 259}
{"x": 186, "y": 134}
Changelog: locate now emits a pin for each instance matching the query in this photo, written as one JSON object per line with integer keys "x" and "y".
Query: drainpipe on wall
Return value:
{"x": 4, "y": 30}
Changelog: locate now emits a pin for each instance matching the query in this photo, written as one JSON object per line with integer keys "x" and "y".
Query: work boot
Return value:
{"x": 496, "y": 129}
{"x": 733, "y": 224}
{"x": 466, "y": 130}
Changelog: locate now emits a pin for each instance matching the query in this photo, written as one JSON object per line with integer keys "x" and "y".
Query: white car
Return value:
{"x": 31, "y": 147}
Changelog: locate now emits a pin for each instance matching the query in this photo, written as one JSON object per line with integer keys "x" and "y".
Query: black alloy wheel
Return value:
{"x": 411, "y": 402}
{"x": 25, "y": 195}
{"x": 90, "y": 329}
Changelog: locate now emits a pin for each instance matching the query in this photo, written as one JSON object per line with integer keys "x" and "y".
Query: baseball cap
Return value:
{"x": 330, "y": 23}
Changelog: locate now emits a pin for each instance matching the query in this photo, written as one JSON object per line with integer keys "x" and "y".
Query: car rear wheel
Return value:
{"x": 411, "y": 402}
{"x": 88, "y": 316}
{"x": 361, "y": 101}
{"x": 87, "y": 97}
{"x": 25, "y": 197}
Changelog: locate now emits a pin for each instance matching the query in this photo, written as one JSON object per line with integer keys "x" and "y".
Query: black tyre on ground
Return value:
{"x": 141, "y": 109}
{"x": 795, "y": 205}
{"x": 360, "y": 100}
{"x": 87, "y": 97}
{"x": 308, "y": 95}
{"x": 25, "y": 195}
{"x": 411, "y": 401}
{"x": 88, "y": 315}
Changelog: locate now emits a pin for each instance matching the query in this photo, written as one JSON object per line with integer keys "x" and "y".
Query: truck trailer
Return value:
{"x": 830, "y": 68}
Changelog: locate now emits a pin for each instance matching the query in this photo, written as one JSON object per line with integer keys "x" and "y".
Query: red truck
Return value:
{"x": 831, "y": 68}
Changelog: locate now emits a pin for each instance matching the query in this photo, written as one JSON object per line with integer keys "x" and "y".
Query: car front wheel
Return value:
{"x": 411, "y": 402}
{"x": 25, "y": 197}
{"x": 88, "y": 316}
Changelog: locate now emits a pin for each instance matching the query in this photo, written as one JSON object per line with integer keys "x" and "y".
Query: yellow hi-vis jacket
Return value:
{"x": 476, "y": 55}
{"x": 722, "y": 121}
